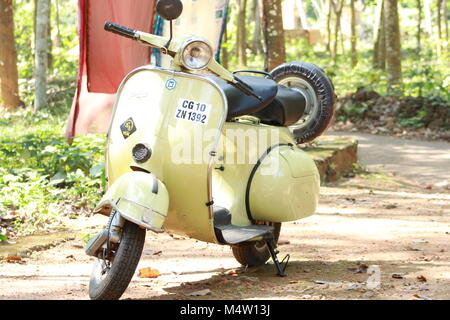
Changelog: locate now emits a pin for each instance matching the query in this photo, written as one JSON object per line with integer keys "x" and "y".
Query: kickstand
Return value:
{"x": 273, "y": 253}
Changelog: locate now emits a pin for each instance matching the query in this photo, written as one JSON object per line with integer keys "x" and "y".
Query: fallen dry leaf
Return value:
{"x": 232, "y": 273}
{"x": 422, "y": 279}
{"x": 13, "y": 259}
{"x": 148, "y": 273}
{"x": 427, "y": 259}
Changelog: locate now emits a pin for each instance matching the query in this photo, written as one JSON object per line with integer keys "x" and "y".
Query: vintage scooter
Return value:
{"x": 199, "y": 151}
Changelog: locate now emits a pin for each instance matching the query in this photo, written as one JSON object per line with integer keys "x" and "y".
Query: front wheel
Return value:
{"x": 110, "y": 277}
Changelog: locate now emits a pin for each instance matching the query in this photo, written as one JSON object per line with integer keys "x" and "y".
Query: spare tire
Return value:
{"x": 312, "y": 82}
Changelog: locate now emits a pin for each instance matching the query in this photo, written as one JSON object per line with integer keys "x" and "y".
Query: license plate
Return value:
{"x": 193, "y": 111}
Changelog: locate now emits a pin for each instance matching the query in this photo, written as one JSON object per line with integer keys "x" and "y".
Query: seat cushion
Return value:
{"x": 239, "y": 103}
{"x": 286, "y": 109}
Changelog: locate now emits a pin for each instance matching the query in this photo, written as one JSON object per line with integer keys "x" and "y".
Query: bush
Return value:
{"x": 43, "y": 178}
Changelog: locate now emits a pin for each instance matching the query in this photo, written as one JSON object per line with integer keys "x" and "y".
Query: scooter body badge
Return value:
{"x": 128, "y": 128}
{"x": 171, "y": 84}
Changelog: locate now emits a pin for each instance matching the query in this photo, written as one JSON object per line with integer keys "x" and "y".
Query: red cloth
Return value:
{"x": 105, "y": 59}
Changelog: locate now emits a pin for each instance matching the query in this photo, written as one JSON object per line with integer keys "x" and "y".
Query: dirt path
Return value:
{"x": 425, "y": 162}
{"x": 381, "y": 222}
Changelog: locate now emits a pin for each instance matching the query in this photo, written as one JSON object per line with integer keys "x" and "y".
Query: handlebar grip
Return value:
{"x": 120, "y": 30}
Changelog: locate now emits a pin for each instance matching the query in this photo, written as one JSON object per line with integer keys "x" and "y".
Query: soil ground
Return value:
{"x": 373, "y": 222}
{"x": 425, "y": 162}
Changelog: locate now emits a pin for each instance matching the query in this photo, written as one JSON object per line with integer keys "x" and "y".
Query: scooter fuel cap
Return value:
{"x": 141, "y": 153}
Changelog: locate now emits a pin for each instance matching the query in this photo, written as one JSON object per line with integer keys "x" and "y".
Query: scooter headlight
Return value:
{"x": 196, "y": 54}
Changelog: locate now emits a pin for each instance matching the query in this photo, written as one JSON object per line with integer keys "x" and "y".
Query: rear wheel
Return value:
{"x": 111, "y": 275}
{"x": 312, "y": 82}
{"x": 255, "y": 254}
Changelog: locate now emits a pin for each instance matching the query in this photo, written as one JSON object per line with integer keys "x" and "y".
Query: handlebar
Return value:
{"x": 171, "y": 48}
{"x": 121, "y": 30}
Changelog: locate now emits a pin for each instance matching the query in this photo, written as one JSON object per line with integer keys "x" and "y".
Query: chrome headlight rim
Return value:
{"x": 187, "y": 43}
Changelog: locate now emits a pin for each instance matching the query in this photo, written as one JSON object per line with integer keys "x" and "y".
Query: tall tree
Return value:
{"x": 241, "y": 38}
{"x": 393, "y": 47}
{"x": 446, "y": 20}
{"x": 257, "y": 47}
{"x": 273, "y": 34}
{"x": 419, "y": 27}
{"x": 338, "y": 7}
{"x": 330, "y": 11}
{"x": 302, "y": 13}
{"x": 379, "y": 50}
{"x": 41, "y": 55}
{"x": 439, "y": 18}
{"x": 427, "y": 11}
{"x": 9, "y": 89}
{"x": 353, "y": 37}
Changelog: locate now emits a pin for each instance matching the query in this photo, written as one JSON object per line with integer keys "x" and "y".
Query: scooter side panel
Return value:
{"x": 288, "y": 192}
{"x": 241, "y": 146}
{"x": 181, "y": 143}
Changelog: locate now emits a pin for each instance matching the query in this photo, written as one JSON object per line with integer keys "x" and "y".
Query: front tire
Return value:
{"x": 110, "y": 279}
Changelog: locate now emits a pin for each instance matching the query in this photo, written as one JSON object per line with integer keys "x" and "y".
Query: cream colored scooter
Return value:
{"x": 198, "y": 151}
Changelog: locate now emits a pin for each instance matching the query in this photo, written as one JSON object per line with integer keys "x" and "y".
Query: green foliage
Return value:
{"x": 63, "y": 57}
{"x": 425, "y": 74}
{"x": 42, "y": 176}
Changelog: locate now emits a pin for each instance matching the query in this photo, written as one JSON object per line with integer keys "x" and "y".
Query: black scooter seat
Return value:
{"x": 286, "y": 109}
{"x": 239, "y": 103}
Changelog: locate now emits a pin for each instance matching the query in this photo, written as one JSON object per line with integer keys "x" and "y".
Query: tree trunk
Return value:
{"x": 419, "y": 27}
{"x": 49, "y": 38}
{"x": 379, "y": 51}
{"x": 297, "y": 18}
{"x": 273, "y": 34}
{"x": 330, "y": 7}
{"x": 9, "y": 90}
{"x": 427, "y": 11}
{"x": 241, "y": 41}
{"x": 393, "y": 48}
{"x": 446, "y": 19}
{"x": 353, "y": 38}
{"x": 338, "y": 13}
{"x": 41, "y": 55}
{"x": 58, "y": 22}
{"x": 257, "y": 47}
{"x": 439, "y": 19}
{"x": 446, "y": 23}
{"x": 302, "y": 14}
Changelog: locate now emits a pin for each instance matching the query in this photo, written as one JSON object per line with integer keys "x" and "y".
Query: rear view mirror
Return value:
{"x": 169, "y": 9}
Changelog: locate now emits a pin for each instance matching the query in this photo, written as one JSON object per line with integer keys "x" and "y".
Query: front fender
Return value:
{"x": 140, "y": 198}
